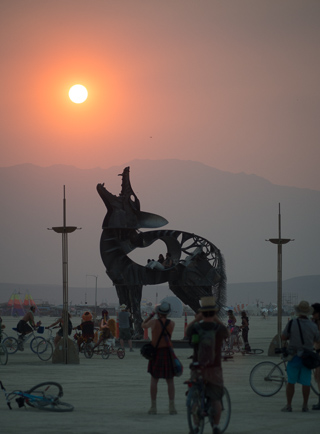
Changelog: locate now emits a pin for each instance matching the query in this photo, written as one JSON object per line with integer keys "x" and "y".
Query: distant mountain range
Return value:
{"x": 237, "y": 212}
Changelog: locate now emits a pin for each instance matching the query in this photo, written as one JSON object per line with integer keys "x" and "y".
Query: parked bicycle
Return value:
{"x": 267, "y": 378}
{"x": 199, "y": 405}
{"x": 3, "y": 354}
{"x": 235, "y": 345}
{"x": 43, "y": 396}
{"x": 38, "y": 345}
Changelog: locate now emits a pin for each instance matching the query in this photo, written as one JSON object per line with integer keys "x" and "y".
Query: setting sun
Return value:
{"x": 78, "y": 93}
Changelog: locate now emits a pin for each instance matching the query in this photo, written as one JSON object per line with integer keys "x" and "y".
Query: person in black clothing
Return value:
{"x": 86, "y": 327}
{"x": 59, "y": 334}
{"x": 168, "y": 263}
{"x": 207, "y": 319}
{"x": 245, "y": 330}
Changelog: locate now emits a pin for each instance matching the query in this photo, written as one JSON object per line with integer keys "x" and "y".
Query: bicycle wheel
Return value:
{"x": 88, "y": 351}
{"x": 266, "y": 378}
{"x": 226, "y": 411}
{"x": 45, "y": 354}
{"x": 105, "y": 353}
{"x": 49, "y": 390}
{"x": 11, "y": 344}
{"x": 3, "y": 336}
{"x": 81, "y": 347}
{"x": 38, "y": 344}
{"x": 314, "y": 384}
{"x": 194, "y": 411}
{"x": 52, "y": 405}
{"x": 121, "y": 353}
{"x": 3, "y": 354}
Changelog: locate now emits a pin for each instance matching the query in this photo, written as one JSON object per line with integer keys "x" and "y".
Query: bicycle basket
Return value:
{"x": 40, "y": 329}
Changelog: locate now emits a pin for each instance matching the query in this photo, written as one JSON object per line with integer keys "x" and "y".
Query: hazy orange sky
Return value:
{"x": 233, "y": 84}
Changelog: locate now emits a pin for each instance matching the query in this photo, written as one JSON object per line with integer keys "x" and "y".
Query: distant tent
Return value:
{"x": 28, "y": 302}
{"x": 15, "y": 306}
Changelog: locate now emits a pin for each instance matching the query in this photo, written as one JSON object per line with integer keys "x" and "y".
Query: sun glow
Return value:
{"x": 78, "y": 94}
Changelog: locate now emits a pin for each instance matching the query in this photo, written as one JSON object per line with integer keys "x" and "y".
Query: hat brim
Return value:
{"x": 162, "y": 312}
{"x": 299, "y": 312}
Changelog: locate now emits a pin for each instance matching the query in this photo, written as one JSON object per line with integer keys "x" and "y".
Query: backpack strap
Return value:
{"x": 163, "y": 332}
{"x": 196, "y": 325}
{"x": 301, "y": 337}
{"x": 289, "y": 326}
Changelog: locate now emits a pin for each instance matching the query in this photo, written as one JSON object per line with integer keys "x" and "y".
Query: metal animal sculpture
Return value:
{"x": 197, "y": 269}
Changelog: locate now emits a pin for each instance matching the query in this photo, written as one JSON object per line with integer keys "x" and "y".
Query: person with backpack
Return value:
{"x": 302, "y": 333}
{"x": 206, "y": 332}
{"x": 316, "y": 372}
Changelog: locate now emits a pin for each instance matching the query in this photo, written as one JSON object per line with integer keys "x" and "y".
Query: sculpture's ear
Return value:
{"x": 149, "y": 220}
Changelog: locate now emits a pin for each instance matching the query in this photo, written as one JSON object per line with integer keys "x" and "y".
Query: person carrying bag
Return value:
{"x": 161, "y": 366}
{"x": 302, "y": 333}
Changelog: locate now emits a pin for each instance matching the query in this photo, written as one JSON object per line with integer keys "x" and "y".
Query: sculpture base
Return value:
{"x": 72, "y": 358}
{"x": 273, "y": 345}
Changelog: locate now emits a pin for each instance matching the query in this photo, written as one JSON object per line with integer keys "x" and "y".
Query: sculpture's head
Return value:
{"x": 123, "y": 211}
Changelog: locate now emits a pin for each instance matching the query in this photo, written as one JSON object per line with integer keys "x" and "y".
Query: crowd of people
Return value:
{"x": 163, "y": 263}
{"x": 300, "y": 333}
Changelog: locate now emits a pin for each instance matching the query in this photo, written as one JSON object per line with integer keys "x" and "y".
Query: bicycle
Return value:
{"x": 45, "y": 354}
{"x": 38, "y": 345}
{"x": 81, "y": 342}
{"x": 267, "y": 378}
{"x": 3, "y": 354}
{"x": 3, "y": 336}
{"x": 120, "y": 352}
{"x": 235, "y": 343}
{"x": 239, "y": 347}
{"x": 199, "y": 405}
{"x": 101, "y": 350}
{"x": 105, "y": 350}
{"x": 43, "y": 396}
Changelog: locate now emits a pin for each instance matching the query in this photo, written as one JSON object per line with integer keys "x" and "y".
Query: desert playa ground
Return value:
{"x": 112, "y": 396}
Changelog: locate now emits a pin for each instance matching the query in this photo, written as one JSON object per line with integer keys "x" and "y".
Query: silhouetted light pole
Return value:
{"x": 279, "y": 241}
{"x": 95, "y": 297}
{"x": 65, "y": 230}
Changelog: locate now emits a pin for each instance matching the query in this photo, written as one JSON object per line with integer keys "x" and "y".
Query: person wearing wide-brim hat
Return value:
{"x": 297, "y": 372}
{"x": 161, "y": 366}
{"x": 303, "y": 309}
{"x": 207, "y": 320}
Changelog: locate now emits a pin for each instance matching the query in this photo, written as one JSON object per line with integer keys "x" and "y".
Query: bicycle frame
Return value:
{"x": 197, "y": 413}
{"x": 27, "y": 336}
{"x": 22, "y": 396}
{"x": 37, "y": 397}
{"x": 283, "y": 377}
